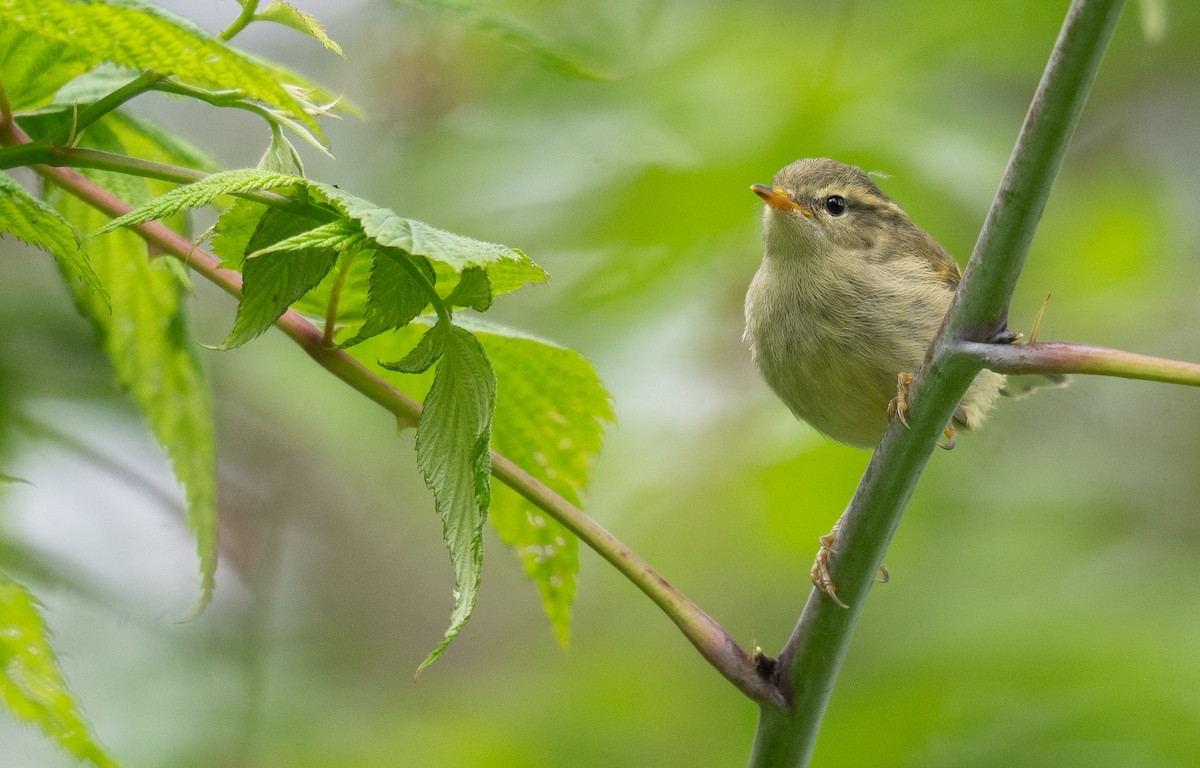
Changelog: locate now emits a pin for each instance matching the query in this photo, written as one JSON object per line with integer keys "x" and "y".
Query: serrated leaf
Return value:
{"x": 427, "y": 351}
{"x": 234, "y": 229}
{"x": 31, "y": 682}
{"x": 92, "y": 86}
{"x": 38, "y": 224}
{"x": 144, "y": 37}
{"x": 147, "y": 339}
{"x": 276, "y": 276}
{"x": 201, "y": 193}
{"x": 35, "y": 68}
{"x": 551, "y": 409}
{"x": 473, "y": 290}
{"x": 453, "y": 438}
{"x": 290, "y": 16}
{"x": 390, "y": 230}
{"x": 549, "y": 419}
{"x": 395, "y": 295}
{"x": 332, "y": 236}
{"x": 507, "y": 268}
{"x": 503, "y": 276}
{"x": 248, "y": 227}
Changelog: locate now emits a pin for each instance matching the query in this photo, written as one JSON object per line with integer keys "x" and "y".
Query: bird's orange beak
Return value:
{"x": 778, "y": 198}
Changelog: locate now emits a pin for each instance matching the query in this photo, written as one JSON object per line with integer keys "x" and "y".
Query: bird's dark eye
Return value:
{"x": 835, "y": 204}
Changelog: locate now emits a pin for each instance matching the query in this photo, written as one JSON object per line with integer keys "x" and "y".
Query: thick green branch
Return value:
{"x": 1067, "y": 357}
{"x": 809, "y": 663}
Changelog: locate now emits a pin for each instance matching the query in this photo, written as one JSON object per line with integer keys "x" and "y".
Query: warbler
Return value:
{"x": 849, "y": 296}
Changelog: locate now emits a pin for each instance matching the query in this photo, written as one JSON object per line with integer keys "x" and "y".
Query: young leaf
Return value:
{"x": 31, "y": 683}
{"x": 144, "y": 37}
{"x": 549, "y": 419}
{"x": 395, "y": 295}
{"x": 453, "y": 438}
{"x": 474, "y": 290}
{"x": 201, "y": 193}
{"x": 38, "y": 224}
{"x": 290, "y": 16}
{"x": 154, "y": 356}
{"x": 424, "y": 354}
{"x": 281, "y": 156}
{"x": 283, "y": 271}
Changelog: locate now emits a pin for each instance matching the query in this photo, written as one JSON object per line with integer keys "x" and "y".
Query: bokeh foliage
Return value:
{"x": 1043, "y": 605}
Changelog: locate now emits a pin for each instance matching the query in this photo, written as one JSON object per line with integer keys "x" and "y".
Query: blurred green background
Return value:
{"x": 1045, "y": 602}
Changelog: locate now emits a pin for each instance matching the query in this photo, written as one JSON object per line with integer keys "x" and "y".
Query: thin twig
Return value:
{"x": 1057, "y": 357}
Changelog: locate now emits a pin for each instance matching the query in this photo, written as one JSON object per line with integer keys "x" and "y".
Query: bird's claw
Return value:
{"x": 898, "y": 406}
{"x": 821, "y": 577}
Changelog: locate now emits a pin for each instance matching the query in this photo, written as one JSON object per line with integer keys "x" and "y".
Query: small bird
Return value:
{"x": 846, "y": 302}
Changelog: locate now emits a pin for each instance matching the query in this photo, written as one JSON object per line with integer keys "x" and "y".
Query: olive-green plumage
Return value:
{"x": 849, "y": 295}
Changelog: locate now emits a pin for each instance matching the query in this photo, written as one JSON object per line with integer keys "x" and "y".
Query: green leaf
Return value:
{"x": 13, "y": 479}
{"x": 282, "y": 272}
{"x": 249, "y": 227}
{"x": 549, "y": 419}
{"x": 148, "y": 340}
{"x": 31, "y": 682}
{"x": 453, "y": 437}
{"x": 507, "y": 268}
{"x": 141, "y": 36}
{"x": 35, "y": 67}
{"x": 89, "y": 87}
{"x": 38, "y": 224}
{"x": 395, "y": 295}
{"x": 551, "y": 409}
{"x": 332, "y": 236}
{"x": 390, "y": 230}
{"x": 431, "y": 347}
{"x": 234, "y": 230}
{"x": 290, "y": 16}
{"x": 474, "y": 290}
{"x": 201, "y": 193}
{"x": 281, "y": 156}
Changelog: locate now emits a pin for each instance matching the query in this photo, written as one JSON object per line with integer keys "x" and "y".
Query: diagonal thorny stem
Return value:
{"x": 708, "y": 637}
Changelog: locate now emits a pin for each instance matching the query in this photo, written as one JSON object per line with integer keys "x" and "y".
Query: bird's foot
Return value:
{"x": 822, "y": 579}
{"x": 898, "y": 406}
